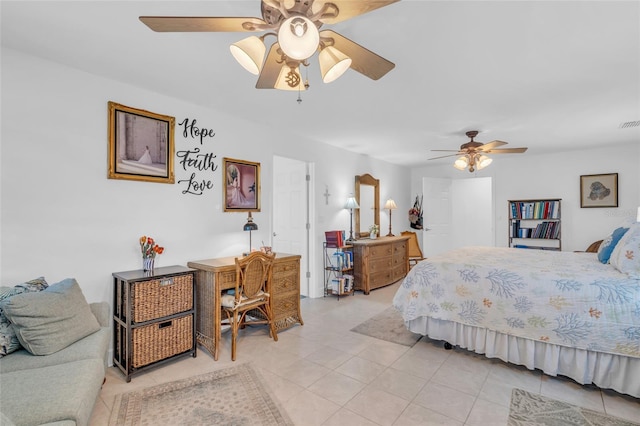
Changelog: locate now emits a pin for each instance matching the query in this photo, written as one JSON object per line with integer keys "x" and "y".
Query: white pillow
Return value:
{"x": 626, "y": 256}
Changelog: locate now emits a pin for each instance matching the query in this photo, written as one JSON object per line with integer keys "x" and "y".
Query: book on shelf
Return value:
{"x": 334, "y": 239}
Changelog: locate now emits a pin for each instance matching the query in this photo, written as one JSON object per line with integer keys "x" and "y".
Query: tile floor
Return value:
{"x": 324, "y": 374}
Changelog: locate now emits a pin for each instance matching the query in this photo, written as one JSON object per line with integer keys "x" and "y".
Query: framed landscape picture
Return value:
{"x": 599, "y": 190}
{"x": 141, "y": 145}
{"x": 242, "y": 185}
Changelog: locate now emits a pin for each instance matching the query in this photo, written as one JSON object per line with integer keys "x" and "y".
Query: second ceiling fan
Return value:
{"x": 296, "y": 25}
{"x": 472, "y": 153}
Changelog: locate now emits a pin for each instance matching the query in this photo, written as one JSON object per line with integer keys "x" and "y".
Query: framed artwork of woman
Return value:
{"x": 242, "y": 185}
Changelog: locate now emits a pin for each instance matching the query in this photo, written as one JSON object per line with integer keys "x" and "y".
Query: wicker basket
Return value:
{"x": 161, "y": 340}
{"x": 161, "y": 297}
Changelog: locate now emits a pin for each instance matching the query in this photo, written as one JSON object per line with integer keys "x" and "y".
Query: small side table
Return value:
{"x": 154, "y": 317}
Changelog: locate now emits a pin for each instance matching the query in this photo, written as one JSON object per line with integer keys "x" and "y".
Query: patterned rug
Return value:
{"x": 531, "y": 409}
{"x": 232, "y": 396}
{"x": 388, "y": 325}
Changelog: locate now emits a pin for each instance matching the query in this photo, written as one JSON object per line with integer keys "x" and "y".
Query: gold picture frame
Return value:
{"x": 241, "y": 185}
{"x": 141, "y": 145}
{"x": 599, "y": 190}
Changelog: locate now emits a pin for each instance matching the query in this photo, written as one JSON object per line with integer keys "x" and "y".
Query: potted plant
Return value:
{"x": 373, "y": 231}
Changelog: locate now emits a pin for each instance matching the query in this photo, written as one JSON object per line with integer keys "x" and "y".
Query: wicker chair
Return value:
{"x": 415, "y": 254}
{"x": 253, "y": 276}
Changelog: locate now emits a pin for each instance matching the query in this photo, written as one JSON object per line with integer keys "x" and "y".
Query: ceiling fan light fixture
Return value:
{"x": 249, "y": 53}
{"x": 289, "y": 79}
{"x": 461, "y": 163}
{"x": 483, "y": 161}
{"x": 333, "y": 63}
{"x": 298, "y": 37}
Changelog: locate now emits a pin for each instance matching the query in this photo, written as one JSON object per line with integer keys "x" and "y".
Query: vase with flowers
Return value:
{"x": 149, "y": 250}
{"x": 373, "y": 231}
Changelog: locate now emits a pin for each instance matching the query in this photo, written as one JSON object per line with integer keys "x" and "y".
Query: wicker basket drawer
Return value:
{"x": 161, "y": 297}
{"x": 157, "y": 341}
{"x": 285, "y": 305}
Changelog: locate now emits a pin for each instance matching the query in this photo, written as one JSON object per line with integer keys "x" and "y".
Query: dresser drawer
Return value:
{"x": 380, "y": 251}
{"x": 381, "y": 279}
{"x": 381, "y": 264}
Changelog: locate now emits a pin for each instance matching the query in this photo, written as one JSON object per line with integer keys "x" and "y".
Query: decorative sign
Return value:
{"x": 196, "y": 160}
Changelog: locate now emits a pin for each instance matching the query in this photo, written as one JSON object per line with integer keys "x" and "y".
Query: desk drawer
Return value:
{"x": 285, "y": 305}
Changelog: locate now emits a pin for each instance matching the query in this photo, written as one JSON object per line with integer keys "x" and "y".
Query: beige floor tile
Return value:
{"x": 449, "y": 402}
{"x": 383, "y": 353}
{"x": 485, "y": 413}
{"x": 378, "y": 406}
{"x": 416, "y": 366}
{"x": 305, "y": 373}
{"x": 346, "y": 417}
{"x": 361, "y": 369}
{"x": 399, "y": 383}
{"x": 464, "y": 380}
{"x": 564, "y": 389}
{"x": 282, "y": 388}
{"x": 329, "y": 357}
{"x": 309, "y": 409}
{"x": 623, "y": 406}
{"x": 337, "y": 387}
{"x": 416, "y": 415}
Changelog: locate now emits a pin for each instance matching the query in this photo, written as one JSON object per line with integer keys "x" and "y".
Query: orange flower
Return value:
{"x": 143, "y": 239}
{"x": 158, "y": 249}
{"x": 149, "y": 247}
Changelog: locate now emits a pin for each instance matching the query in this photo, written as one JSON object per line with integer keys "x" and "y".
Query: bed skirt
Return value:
{"x": 608, "y": 371}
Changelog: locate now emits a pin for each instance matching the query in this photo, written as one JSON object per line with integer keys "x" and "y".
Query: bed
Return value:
{"x": 564, "y": 313}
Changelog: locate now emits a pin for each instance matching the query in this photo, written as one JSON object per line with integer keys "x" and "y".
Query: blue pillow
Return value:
{"x": 607, "y": 246}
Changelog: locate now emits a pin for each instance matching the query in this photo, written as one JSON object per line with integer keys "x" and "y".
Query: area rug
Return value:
{"x": 532, "y": 409}
{"x": 232, "y": 396}
{"x": 388, "y": 325}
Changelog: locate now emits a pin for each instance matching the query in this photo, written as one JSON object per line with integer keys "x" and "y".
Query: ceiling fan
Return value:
{"x": 295, "y": 24}
{"x": 472, "y": 153}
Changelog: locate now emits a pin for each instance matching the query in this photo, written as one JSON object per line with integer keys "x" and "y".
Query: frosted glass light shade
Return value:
{"x": 483, "y": 161}
{"x": 461, "y": 163}
{"x": 390, "y": 204}
{"x": 298, "y": 37}
{"x": 283, "y": 84}
{"x": 351, "y": 203}
{"x": 333, "y": 63}
{"x": 249, "y": 53}
{"x": 638, "y": 217}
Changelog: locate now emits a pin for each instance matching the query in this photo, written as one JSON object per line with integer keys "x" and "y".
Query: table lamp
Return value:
{"x": 351, "y": 204}
{"x": 391, "y": 205}
{"x": 250, "y": 226}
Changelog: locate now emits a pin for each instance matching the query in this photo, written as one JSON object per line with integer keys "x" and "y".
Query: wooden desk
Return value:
{"x": 215, "y": 275}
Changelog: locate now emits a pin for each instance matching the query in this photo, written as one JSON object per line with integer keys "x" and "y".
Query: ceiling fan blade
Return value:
{"x": 489, "y": 145}
{"x": 348, "y": 9}
{"x": 506, "y": 151}
{"x": 444, "y": 156}
{"x": 449, "y": 150}
{"x": 270, "y": 70}
{"x": 362, "y": 60}
{"x": 202, "y": 24}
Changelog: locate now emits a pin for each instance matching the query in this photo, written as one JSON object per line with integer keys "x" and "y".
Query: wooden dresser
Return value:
{"x": 380, "y": 262}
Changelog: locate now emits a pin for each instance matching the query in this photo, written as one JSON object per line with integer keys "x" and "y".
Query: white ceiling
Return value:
{"x": 550, "y": 75}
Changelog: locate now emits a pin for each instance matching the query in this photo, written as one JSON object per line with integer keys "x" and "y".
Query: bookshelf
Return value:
{"x": 535, "y": 224}
{"x": 338, "y": 266}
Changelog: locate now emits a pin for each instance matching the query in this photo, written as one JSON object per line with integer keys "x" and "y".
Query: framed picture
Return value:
{"x": 242, "y": 185}
{"x": 599, "y": 190}
{"x": 141, "y": 145}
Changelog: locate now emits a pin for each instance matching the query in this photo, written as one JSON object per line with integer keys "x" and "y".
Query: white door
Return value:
{"x": 457, "y": 213}
{"x": 290, "y": 212}
{"x": 436, "y": 209}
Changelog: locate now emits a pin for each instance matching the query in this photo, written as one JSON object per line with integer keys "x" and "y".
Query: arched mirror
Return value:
{"x": 367, "y": 194}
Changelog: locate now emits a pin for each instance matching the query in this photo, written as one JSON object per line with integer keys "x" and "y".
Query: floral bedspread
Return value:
{"x": 564, "y": 298}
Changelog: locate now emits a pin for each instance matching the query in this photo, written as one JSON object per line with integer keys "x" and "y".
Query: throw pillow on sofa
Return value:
{"x": 50, "y": 320}
{"x": 8, "y": 340}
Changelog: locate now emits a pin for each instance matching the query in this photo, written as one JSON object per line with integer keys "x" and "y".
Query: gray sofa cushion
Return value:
{"x": 57, "y": 393}
{"x": 48, "y": 321}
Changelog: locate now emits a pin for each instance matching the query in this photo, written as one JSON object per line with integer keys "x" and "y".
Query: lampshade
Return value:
{"x": 351, "y": 203}
{"x": 638, "y": 217}
{"x": 250, "y": 225}
{"x": 249, "y": 53}
{"x": 390, "y": 204}
{"x": 298, "y": 37}
{"x": 461, "y": 163}
{"x": 289, "y": 75}
{"x": 483, "y": 161}
{"x": 333, "y": 63}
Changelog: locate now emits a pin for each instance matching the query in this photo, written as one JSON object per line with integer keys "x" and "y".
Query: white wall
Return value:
{"x": 62, "y": 217}
{"x": 557, "y": 176}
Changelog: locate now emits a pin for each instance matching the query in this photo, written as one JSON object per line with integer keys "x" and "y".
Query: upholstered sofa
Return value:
{"x": 61, "y": 387}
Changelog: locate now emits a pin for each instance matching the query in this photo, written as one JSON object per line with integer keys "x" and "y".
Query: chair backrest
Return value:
{"x": 414, "y": 247}
{"x": 252, "y": 273}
